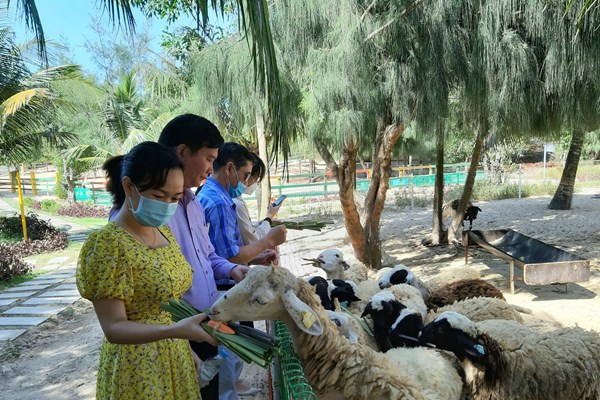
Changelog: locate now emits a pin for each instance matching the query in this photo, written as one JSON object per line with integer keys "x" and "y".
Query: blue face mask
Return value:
{"x": 152, "y": 212}
{"x": 238, "y": 190}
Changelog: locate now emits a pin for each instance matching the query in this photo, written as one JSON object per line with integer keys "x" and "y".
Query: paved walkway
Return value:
{"x": 33, "y": 302}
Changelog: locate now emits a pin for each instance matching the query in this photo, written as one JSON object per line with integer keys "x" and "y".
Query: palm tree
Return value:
{"x": 29, "y": 103}
{"x": 254, "y": 19}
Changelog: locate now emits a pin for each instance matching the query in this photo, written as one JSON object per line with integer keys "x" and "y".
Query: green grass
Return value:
{"x": 87, "y": 222}
{"x": 20, "y": 279}
{"x": 42, "y": 259}
{"x": 72, "y": 252}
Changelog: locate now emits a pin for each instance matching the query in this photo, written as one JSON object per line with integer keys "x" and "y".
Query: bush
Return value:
{"x": 82, "y": 210}
{"x": 28, "y": 201}
{"x": 60, "y": 192}
{"x": 43, "y": 237}
{"x": 10, "y": 264}
{"x": 37, "y": 229}
{"x": 49, "y": 206}
{"x": 483, "y": 190}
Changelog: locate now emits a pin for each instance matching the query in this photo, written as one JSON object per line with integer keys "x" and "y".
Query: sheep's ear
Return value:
{"x": 304, "y": 316}
{"x": 368, "y": 310}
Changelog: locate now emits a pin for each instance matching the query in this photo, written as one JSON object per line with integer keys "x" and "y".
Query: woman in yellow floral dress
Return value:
{"x": 127, "y": 269}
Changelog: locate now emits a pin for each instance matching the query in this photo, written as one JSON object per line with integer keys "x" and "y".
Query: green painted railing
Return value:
{"x": 292, "y": 383}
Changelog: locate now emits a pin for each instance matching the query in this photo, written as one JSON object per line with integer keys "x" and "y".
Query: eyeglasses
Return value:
{"x": 246, "y": 175}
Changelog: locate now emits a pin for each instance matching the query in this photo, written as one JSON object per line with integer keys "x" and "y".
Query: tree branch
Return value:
{"x": 404, "y": 12}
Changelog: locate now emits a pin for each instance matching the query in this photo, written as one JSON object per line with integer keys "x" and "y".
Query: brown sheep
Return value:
{"x": 461, "y": 290}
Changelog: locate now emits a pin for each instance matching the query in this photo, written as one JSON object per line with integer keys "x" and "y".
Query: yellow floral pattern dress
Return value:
{"x": 113, "y": 265}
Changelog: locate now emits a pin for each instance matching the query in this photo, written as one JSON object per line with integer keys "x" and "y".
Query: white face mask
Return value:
{"x": 250, "y": 189}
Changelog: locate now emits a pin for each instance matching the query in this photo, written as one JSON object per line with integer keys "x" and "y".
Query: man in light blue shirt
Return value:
{"x": 232, "y": 168}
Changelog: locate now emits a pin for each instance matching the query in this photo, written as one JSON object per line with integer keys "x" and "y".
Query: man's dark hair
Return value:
{"x": 232, "y": 152}
{"x": 258, "y": 167}
{"x": 144, "y": 175}
{"x": 194, "y": 131}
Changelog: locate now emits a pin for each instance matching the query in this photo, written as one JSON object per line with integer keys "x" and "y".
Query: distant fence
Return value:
{"x": 92, "y": 189}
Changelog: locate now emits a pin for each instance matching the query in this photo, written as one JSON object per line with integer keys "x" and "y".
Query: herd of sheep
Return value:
{"x": 362, "y": 334}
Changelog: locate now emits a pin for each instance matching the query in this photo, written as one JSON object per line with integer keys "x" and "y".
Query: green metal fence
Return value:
{"x": 292, "y": 383}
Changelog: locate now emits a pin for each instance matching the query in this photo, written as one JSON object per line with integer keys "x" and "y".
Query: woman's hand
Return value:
{"x": 272, "y": 211}
{"x": 197, "y": 360}
{"x": 189, "y": 328}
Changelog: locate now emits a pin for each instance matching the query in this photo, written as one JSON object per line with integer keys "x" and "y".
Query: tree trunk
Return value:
{"x": 376, "y": 194}
{"x": 438, "y": 234}
{"x": 343, "y": 174}
{"x": 364, "y": 232}
{"x": 70, "y": 185}
{"x": 564, "y": 193}
{"x": 469, "y": 182}
{"x": 265, "y": 185}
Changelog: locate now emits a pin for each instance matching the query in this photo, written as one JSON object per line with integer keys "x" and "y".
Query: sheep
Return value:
{"x": 450, "y": 275}
{"x": 507, "y": 360}
{"x": 408, "y": 295}
{"x": 479, "y": 309}
{"x": 406, "y": 329}
{"x": 449, "y": 210}
{"x": 333, "y": 365}
{"x": 349, "y": 327}
{"x": 460, "y": 290}
{"x": 384, "y": 309}
{"x": 332, "y": 262}
{"x": 343, "y": 291}
{"x": 402, "y": 274}
{"x": 322, "y": 290}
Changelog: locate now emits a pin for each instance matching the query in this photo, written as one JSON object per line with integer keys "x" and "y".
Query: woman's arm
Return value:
{"x": 118, "y": 329}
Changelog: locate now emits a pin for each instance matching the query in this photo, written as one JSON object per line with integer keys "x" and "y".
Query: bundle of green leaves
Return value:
{"x": 249, "y": 344}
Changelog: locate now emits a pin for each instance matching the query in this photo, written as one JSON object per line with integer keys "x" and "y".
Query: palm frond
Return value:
{"x": 16, "y": 102}
{"x": 29, "y": 11}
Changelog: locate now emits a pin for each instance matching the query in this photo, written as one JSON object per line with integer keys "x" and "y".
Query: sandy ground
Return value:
{"x": 58, "y": 359}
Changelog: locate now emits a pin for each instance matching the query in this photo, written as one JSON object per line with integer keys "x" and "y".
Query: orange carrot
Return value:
{"x": 221, "y": 327}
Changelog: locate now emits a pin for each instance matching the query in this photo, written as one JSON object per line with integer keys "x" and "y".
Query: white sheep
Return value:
{"x": 507, "y": 360}
{"x": 349, "y": 327}
{"x": 333, "y": 365}
{"x": 332, "y": 262}
{"x": 479, "y": 309}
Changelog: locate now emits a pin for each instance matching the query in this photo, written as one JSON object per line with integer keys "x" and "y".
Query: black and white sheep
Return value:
{"x": 507, "y": 360}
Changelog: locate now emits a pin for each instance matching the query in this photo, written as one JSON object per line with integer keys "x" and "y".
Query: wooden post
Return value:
{"x": 279, "y": 184}
{"x": 21, "y": 206}
{"x": 12, "y": 177}
{"x": 511, "y": 276}
{"x": 466, "y": 244}
{"x": 33, "y": 184}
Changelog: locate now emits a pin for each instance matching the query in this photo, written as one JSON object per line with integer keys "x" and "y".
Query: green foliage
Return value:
{"x": 405, "y": 199}
{"x": 60, "y": 192}
{"x": 42, "y": 237}
{"x": 11, "y": 265}
{"x": 49, "y": 206}
{"x": 28, "y": 202}
{"x": 484, "y": 190}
